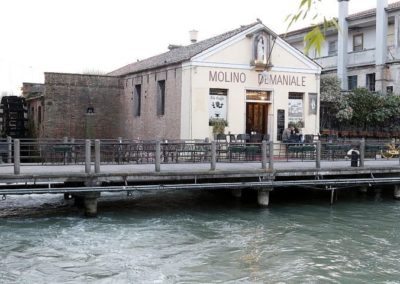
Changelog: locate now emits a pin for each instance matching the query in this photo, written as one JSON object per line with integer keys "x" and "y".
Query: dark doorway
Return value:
{"x": 256, "y": 118}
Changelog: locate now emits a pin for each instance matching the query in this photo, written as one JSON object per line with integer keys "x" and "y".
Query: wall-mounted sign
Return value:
{"x": 295, "y": 110}
{"x": 217, "y": 103}
{"x": 312, "y": 101}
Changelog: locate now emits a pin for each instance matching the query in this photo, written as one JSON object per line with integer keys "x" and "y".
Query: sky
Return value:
{"x": 80, "y": 36}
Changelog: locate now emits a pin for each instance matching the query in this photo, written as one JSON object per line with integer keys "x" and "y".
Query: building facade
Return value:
{"x": 366, "y": 51}
{"x": 249, "y": 77}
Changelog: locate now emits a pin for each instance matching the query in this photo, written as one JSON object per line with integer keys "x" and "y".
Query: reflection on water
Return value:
{"x": 201, "y": 237}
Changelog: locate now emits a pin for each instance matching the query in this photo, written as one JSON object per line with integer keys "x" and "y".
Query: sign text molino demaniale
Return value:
{"x": 270, "y": 79}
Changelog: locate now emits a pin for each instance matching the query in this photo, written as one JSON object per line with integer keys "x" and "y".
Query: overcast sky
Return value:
{"x": 76, "y": 36}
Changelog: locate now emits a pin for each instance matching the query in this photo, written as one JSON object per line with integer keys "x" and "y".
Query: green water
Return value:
{"x": 201, "y": 237}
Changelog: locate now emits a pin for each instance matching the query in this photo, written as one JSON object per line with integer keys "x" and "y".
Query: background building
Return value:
{"x": 366, "y": 51}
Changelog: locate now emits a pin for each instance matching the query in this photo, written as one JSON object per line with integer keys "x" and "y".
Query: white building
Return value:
{"x": 249, "y": 77}
{"x": 367, "y": 51}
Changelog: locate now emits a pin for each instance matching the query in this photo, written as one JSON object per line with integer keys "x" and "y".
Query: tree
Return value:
{"x": 330, "y": 101}
{"x": 316, "y": 37}
{"x": 330, "y": 89}
{"x": 363, "y": 109}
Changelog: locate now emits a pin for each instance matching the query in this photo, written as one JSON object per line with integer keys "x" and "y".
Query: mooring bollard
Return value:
{"x": 354, "y": 158}
{"x": 362, "y": 152}
{"x": 97, "y": 156}
{"x": 264, "y": 155}
{"x": 87, "y": 156}
{"x": 9, "y": 143}
{"x": 17, "y": 157}
{"x": 213, "y": 155}
{"x": 158, "y": 156}
{"x": 271, "y": 155}
{"x": 318, "y": 155}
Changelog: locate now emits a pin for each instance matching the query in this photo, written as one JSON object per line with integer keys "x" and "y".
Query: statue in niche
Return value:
{"x": 260, "y": 49}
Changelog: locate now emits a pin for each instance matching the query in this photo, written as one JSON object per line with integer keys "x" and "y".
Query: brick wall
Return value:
{"x": 67, "y": 99}
{"x": 149, "y": 125}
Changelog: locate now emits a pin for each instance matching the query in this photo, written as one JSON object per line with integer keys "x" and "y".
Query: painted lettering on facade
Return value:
{"x": 269, "y": 79}
{"x": 287, "y": 80}
{"x": 227, "y": 77}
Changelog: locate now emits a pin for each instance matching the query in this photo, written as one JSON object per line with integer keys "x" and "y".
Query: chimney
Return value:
{"x": 193, "y": 36}
{"x": 343, "y": 35}
{"x": 174, "y": 46}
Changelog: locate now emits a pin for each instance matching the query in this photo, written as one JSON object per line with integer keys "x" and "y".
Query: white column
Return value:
{"x": 342, "y": 43}
{"x": 380, "y": 49}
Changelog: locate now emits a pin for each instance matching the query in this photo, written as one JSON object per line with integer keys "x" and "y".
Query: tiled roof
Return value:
{"x": 363, "y": 14}
{"x": 178, "y": 55}
{"x": 372, "y": 12}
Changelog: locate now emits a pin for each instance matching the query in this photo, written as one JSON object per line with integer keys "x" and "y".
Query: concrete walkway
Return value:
{"x": 8, "y": 169}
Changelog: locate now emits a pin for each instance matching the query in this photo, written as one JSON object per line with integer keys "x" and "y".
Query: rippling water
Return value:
{"x": 183, "y": 237}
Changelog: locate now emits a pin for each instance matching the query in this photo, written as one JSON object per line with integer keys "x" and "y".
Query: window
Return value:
{"x": 389, "y": 89}
{"x": 332, "y": 48}
{"x": 39, "y": 114}
{"x": 358, "y": 42}
{"x": 352, "y": 82}
{"x": 161, "y": 98}
{"x": 258, "y": 95}
{"x": 218, "y": 103}
{"x": 137, "y": 100}
{"x": 371, "y": 82}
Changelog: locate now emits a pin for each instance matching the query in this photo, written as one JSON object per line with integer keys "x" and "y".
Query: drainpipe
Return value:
{"x": 381, "y": 49}
{"x": 342, "y": 43}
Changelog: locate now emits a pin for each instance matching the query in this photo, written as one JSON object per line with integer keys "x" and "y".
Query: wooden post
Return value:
{"x": 17, "y": 157}
{"x": 158, "y": 156}
{"x": 264, "y": 155}
{"x": 87, "y": 156}
{"x": 9, "y": 156}
{"x": 213, "y": 155}
{"x": 362, "y": 152}
{"x": 318, "y": 155}
{"x": 97, "y": 156}
{"x": 271, "y": 155}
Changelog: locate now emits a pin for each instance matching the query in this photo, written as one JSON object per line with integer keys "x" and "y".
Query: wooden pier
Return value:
{"x": 84, "y": 172}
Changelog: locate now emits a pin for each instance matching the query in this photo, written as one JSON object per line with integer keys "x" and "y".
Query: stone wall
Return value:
{"x": 149, "y": 125}
{"x": 82, "y": 106}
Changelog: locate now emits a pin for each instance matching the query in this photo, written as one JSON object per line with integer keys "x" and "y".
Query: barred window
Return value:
{"x": 137, "y": 100}
{"x": 352, "y": 82}
{"x": 358, "y": 42}
{"x": 371, "y": 82}
{"x": 161, "y": 98}
{"x": 332, "y": 48}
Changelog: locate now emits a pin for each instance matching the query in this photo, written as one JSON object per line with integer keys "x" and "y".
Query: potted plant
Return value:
{"x": 218, "y": 125}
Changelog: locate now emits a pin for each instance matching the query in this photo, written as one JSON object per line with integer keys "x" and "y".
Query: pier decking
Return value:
{"x": 155, "y": 166}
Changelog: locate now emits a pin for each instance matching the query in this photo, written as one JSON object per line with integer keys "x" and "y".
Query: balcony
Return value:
{"x": 354, "y": 58}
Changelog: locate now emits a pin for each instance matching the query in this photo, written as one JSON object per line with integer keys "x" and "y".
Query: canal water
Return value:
{"x": 201, "y": 237}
